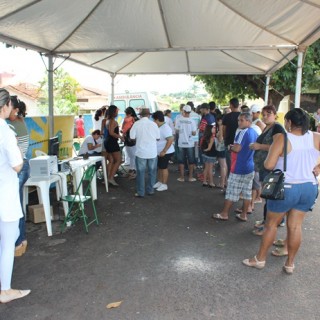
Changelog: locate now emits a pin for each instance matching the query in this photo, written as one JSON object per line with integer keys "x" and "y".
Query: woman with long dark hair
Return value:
{"x": 209, "y": 155}
{"x": 130, "y": 145}
{"x": 111, "y": 144}
{"x": 300, "y": 189}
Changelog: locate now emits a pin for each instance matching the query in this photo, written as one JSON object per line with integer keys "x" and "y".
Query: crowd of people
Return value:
{"x": 246, "y": 144}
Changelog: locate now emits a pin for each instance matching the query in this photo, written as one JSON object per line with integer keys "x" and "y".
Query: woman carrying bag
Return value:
{"x": 300, "y": 187}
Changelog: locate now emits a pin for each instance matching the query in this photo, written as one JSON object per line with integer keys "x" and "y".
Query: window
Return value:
{"x": 135, "y": 103}
{"x": 121, "y": 104}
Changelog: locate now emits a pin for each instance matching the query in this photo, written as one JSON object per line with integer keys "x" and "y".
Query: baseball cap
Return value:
{"x": 187, "y": 108}
{"x": 255, "y": 108}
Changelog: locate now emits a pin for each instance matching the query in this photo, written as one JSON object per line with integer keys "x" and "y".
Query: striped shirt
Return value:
{"x": 20, "y": 129}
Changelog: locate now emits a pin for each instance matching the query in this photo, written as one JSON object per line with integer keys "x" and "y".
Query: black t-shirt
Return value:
{"x": 277, "y": 128}
{"x": 230, "y": 121}
{"x": 266, "y": 137}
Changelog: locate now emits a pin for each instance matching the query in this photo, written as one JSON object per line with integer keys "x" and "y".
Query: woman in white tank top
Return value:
{"x": 300, "y": 186}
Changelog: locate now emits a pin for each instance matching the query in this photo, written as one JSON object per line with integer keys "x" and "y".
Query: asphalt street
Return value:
{"x": 163, "y": 258}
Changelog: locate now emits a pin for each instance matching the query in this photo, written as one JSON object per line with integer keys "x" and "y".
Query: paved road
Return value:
{"x": 164, "y": 258}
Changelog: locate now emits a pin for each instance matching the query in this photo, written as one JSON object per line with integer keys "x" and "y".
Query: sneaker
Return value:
{"x": 157, "y": 185}
{"x": 282, "y": 224}
{"x": 163, "y": 187}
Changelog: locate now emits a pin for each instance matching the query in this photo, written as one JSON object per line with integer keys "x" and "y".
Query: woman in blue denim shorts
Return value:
{"x": 300, "y": 186}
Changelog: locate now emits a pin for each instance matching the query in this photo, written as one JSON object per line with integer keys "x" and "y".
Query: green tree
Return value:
{"x": 64, "y": 92}
{"x": 282, "y": 82}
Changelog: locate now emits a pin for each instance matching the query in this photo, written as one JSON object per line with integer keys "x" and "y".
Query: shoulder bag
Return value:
{"x": 273, "y": 183}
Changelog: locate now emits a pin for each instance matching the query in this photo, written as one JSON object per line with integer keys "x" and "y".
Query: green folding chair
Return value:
{"x": 77, "y": 202}
{"x": 76, "y": 147}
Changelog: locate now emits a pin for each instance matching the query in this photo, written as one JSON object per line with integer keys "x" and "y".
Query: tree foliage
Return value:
{"x": 282, "y": 82}
{"x": 195, "y": 93}
{"x": 64, "y": 92}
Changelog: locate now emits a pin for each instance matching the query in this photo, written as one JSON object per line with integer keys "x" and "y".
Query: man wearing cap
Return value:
{"x": 196, "y": 118}
{"x": 146, "y": 133}
{"x": 256, "y": 119}
{"x": 186, "y": 128}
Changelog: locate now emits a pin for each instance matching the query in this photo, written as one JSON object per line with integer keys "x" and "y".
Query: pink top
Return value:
{"x": 128, "y": 122}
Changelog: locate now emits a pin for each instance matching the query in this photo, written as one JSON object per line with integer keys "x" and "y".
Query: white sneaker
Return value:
{"x": 163, "y": 187}
{"x": 157, "y": 185}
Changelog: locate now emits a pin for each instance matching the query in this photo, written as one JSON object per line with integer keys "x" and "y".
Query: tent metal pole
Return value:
{"x": 50, "y": 95}
{"x": 266, "y": 94}
{"x": 298, "y": 80}
{"x": 113, "y": 75}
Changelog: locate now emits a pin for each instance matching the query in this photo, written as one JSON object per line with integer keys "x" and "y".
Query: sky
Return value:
{"x": 29, "y": 67}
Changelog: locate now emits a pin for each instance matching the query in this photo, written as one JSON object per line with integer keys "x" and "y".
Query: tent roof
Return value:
{"x": 165, "y": 36}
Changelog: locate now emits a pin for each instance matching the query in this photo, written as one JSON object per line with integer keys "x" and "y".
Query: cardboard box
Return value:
{"x": 36, "y": 213}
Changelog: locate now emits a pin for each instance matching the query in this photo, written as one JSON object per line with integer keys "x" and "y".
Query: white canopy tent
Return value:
{"x": 165, "y": 36}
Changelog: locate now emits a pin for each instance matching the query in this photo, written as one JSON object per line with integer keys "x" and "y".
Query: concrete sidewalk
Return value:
{"x": 164, "y": 258}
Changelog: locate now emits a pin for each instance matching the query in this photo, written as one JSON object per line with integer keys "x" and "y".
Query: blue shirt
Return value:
{"x": 242, "y": 162}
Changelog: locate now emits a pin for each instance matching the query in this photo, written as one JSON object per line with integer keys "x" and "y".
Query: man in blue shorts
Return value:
{"x": 242, "y": 169}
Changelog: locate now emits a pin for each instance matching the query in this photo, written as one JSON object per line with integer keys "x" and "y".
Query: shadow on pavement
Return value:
{"x": 164, "y": 258}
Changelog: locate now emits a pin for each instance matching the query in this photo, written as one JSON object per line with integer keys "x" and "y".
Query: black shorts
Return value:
{"x": 164, "y": 161}
{"x": 221, "y": 154}
{"x": 111, "y": 145}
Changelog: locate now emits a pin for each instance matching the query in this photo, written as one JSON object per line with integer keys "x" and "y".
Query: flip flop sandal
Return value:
{"x": 238, "y": 216}
{"x": 218, "y": 216}
{"x": 258, "y": 232}
{"x": 279, "y": 252}
{"x": 279, "y": 243}
{"x": 240, "y": 211}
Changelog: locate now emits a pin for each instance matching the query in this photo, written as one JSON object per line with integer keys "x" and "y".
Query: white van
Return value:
{"x": 135, "y": 100}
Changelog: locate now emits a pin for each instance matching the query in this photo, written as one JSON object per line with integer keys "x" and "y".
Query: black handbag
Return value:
{"x": 273, "y": 183}
{"x": 128, "y": 141}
